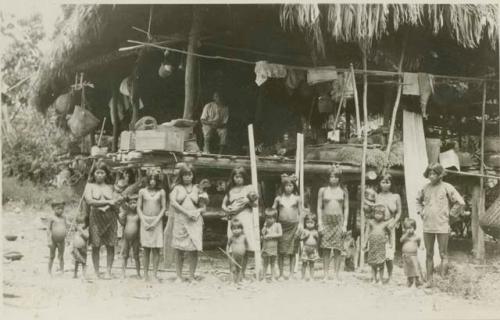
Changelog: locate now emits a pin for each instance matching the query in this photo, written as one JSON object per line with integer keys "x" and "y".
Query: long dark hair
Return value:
{"x": 388, "y": 177}
{"x": 284, "y": 182}
{"x": 238, "y": 170}
{"x": 156, "y": 178}
{"x": 184, "y": 170}
{"x": 100, "y": 166}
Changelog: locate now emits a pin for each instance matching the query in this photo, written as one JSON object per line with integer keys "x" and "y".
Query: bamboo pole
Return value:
{"x": 301, "y": 170}
{"x": 255, "y": 210}
{"x": 363, "y": 158}
{"x": 356, "y": 102}
{"x": 479, "y": 253}
{"x": 191, "y": 61}
{"x": 396, "y": 103}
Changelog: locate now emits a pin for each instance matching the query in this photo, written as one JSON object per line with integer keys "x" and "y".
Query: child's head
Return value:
{"x": 334, "y": 174}
{"x": 370, "y": 194}
{"x": 434, "y": 172}
{"x": 132, "y": 202}
{"x": 310, "y": 221}
{"x": 58, "y": 207}
{"x": 288, "y": 184}
{"x": 236, "y": 227}
{"x": 270, "y": 215}
{"x": 379, "y": 212}
{"x": 410, "y": 225}
{"x": 385, "y": 182}
{"x": 238, "y": 177}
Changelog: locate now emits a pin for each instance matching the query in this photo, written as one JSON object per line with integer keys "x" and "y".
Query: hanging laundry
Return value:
{"x": 294, "y": 77}
{"x": 426, "y": 87}
{"x": 264, "y": 70}
{"x": 410, "y": 84}
{"x": 322, "y": 74}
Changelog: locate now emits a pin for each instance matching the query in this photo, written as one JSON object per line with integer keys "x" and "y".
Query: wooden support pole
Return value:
{"x": 191, "y": 61}
{"x": 342, "y": 101}
{"x": 301, "y": 170}
{"x": 356, "y": 102}
{"x": 396, "y": 103}
{"x": 114, "y": 114}
{"x": 479, "y": 253}
{"x": 363, "y": 158}
{"x": 255, "y": 210}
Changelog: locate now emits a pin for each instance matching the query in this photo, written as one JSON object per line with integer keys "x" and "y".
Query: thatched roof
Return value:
{"x": 91, "y": 32}
{"x": 363, "y": 24}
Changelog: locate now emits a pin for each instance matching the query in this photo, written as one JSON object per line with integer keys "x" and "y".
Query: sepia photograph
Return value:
{"x": 250, "y": 160}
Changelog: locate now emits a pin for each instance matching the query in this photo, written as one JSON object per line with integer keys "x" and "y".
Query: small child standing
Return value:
{"x": 79, "y": 252}
{"x": 309, "y": 238}
{"x": 129, "y": 219}
{"x": 378, "y": 233}
{"x": 411, "y": 243}
{"x": 271, "y": 232}
{"x": 56, "y": 233}
{"x": 237, "y": 247}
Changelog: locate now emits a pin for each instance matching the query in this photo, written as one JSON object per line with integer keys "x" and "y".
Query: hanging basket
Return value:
{"x": 65, "y": 103}
{"x": 490, "y": 220}
{"x": 82, "y": 122}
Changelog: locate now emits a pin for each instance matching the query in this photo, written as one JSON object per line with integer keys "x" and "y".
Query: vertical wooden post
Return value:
{"x": 396, "y": 103}
{"x": 363, "y": 159}
{"x": 255, "y": 210}
{"x": 356, "y": 101}
{"x": 114, "y": 113}
{"x": 301, "y": 170}
{"x": 479, "y": 253}
{"x": 191, "y": 61}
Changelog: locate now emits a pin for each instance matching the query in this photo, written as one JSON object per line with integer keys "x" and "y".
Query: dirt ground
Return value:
{"x": 30, "y": 293}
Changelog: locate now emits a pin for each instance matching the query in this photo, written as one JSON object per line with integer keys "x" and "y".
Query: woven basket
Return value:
{"x": 490, "y": 220}
{"x": 82, "y": 122}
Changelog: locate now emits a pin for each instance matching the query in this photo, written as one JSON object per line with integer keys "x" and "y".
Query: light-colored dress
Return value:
{"x": 245, "y": 217}
{"x": 151, "y": 238}
{"x": 390, "y": 202}
{"x": 333, "y": 219}
{"x": 187, "y": 233}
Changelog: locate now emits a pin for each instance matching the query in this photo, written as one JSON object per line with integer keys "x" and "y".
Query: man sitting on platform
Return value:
{"x": 214, "y": 119}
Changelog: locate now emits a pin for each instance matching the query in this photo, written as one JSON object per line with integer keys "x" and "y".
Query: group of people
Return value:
{"x": 290, "y": 231}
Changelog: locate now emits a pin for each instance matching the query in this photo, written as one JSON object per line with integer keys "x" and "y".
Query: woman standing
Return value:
{"x": 188, "y": 221}
{"x": 392, "y": 202}
{"x": 151, "y": 206}
{"x": 333, "y": 211}
{"x": 102, "y": 217}
{"x": 238, "y": 202}
{"x": 288, "y": 205}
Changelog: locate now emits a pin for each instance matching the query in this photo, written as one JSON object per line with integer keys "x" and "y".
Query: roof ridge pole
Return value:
{"x": 191, "y": 61}
{"x": 396, "y": 103}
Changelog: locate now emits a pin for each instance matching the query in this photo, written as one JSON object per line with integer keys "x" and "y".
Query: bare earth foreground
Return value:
{"x": 29, "y": 292}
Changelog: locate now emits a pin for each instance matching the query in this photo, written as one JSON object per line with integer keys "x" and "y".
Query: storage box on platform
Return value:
{"x": 127, "y": 141}
{"x": 171, "y": 140}
{"x": 186, "y": 131}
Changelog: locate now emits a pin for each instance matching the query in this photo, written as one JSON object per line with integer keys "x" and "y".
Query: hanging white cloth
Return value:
{"x": 321, "y": 74}
{"x": 264, "y": 70}
{"x": 410, "y": 84}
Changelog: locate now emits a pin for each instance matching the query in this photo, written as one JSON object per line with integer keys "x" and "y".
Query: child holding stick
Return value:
{"x": 56, "y": 234}
{"x": 237, "y": 247}
{"x": 309, "y": 238}
{"x": 271, "y": 232}
{"x": 411, "y": 243}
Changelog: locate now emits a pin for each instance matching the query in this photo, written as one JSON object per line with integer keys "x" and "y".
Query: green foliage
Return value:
{"x": 28, "y": 193}
{"x": 32, "y": 150}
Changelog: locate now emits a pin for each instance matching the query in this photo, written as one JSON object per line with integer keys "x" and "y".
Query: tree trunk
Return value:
{"x": 191, "y": 61}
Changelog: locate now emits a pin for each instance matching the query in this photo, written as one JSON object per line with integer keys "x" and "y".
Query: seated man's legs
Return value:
{"x": 222, "y": 132}
{"x": 207, "y": 135}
